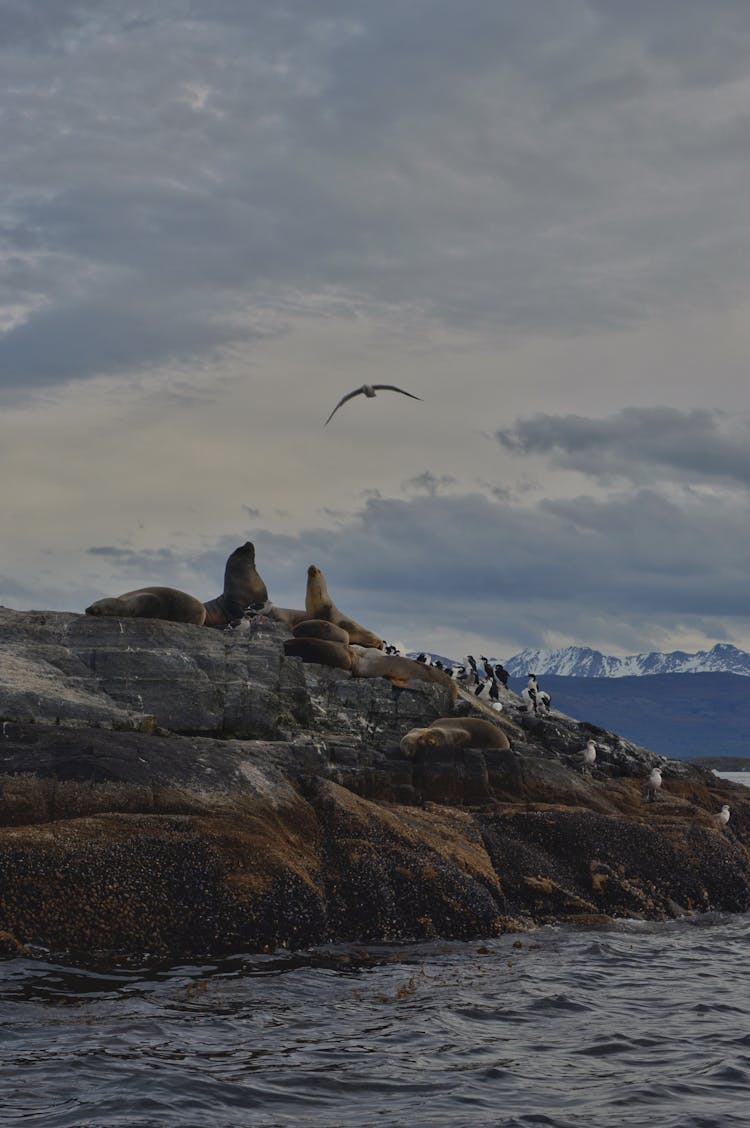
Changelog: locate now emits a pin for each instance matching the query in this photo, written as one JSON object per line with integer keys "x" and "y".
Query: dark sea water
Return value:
{"x": 633, "y": 1024}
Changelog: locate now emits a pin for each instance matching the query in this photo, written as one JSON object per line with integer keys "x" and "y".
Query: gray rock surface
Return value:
{"x": 179, "y": 790}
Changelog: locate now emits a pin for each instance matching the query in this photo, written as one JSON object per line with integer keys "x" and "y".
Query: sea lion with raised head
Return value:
{"x": 320, "y": 628}
{"x": 319, "y": 605}
{"x": 242, "y": 588}
{"x": 152, "y": 603}
{"x": 458, "y": 732}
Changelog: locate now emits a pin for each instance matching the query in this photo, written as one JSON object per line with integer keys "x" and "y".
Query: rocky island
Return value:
{"x": 173, "y": 790}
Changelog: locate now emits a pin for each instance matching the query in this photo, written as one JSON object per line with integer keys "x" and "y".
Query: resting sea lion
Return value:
{"x": 322, "y": 651}
{"x": 320, "y": 628}
{"x": 319, "y": 605}
{"x": 288, "y": 615}
{"x": 367, "y": 662}
{"x": 152, "y": 603}
{"x": 459, "y": 732}
{"x": 242, "y": 587}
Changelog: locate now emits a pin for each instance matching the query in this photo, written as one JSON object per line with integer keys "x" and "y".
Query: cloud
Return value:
{"x": 218, "y": 218}
{"x": 620, "y": 572}
{"x": 514, "y": 169}
{"x": 640, "y": 445}
{"x": 429, "y": 483}
{"x": 130, "y": 557}
{"x": 628, "y": 572}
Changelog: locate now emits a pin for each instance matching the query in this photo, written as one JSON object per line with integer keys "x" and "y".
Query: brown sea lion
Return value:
{"x": 459, "y": 732}
{"x": 367, "y": 662}
{"x": 289, "y": 615}
{"x": 322, "y": 651}
{"x": 152, "y": 603}
{"x": 320, "y": 628}
{"x": 242, "y": 587}
{"x": 372, "y": 663}
{"x": 319, "y": 605}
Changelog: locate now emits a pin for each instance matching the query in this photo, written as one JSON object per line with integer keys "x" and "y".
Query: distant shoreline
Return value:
{"x": 724, "y": 763}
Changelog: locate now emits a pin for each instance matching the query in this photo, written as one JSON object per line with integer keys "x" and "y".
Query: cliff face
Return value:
{"x": 178, "y": 790}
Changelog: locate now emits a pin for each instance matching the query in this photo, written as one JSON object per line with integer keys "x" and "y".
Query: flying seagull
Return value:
{"x": 368, "y": 390}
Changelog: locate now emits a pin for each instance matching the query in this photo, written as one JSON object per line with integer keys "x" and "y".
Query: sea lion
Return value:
{"x": 152, "y": 603}
{"x": 322, "y": 651}
{"x": 319, "y": 605}
{"x": 320, "y": 628}
{"x": 458, "y": 732}
{"x": 289, "y": 615}
{"x": 372, "y": 663}
{"x": 367, "y": 662}
{"x": 242, "y": 587}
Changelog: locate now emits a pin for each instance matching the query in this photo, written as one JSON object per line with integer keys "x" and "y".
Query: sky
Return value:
{"x": 218, "y": 218}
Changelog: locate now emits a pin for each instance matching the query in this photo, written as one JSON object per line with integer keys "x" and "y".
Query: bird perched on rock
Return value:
{"x": 722, "y": 818}
{"x": 537, "y": 700}
{"x": 368, "y": 390}
{"x": 588, "y": 756}
{"x": 653, "y": 783}
{"x": 488, "y": 689}
{"x": 501, "y": 673}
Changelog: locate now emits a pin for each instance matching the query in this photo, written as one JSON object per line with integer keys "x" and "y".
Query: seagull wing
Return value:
{"x": 393, "y": 388}
{"x": 350, "y": 395}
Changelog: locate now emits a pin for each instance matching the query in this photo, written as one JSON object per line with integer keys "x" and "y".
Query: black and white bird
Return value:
{"x": 537, "y": 700}
{"x": 488, "y": 690}
{"x": 501, "y": 673}
{"x": 368, "y": 390}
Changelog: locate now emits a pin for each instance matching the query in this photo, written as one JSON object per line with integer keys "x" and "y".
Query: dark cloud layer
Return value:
{"x": 640, "y": 445}
{"x": 525, "y": 167}
{"x": 629, "y": 568}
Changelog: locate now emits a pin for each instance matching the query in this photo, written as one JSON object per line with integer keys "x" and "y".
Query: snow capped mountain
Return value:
{"x": 583, "y": 662}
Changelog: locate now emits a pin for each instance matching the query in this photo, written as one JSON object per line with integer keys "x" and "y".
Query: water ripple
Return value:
{"x": 641, "y": 1024}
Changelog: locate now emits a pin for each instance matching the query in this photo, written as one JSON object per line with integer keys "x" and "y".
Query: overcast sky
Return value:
{"x": 219, "y": 217}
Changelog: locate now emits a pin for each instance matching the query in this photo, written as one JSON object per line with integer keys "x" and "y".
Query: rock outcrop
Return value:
{"x": 174, "y": 790}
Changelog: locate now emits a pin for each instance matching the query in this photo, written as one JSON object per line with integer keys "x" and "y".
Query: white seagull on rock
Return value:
{"x": 588, "y": 755}
{"x": 368, "y": 390}
{"x": 723, "y": 816}
{"x": 653, "y": 783}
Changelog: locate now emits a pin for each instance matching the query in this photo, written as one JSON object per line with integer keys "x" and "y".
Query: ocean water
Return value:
{"x": 631, "y": 1024}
